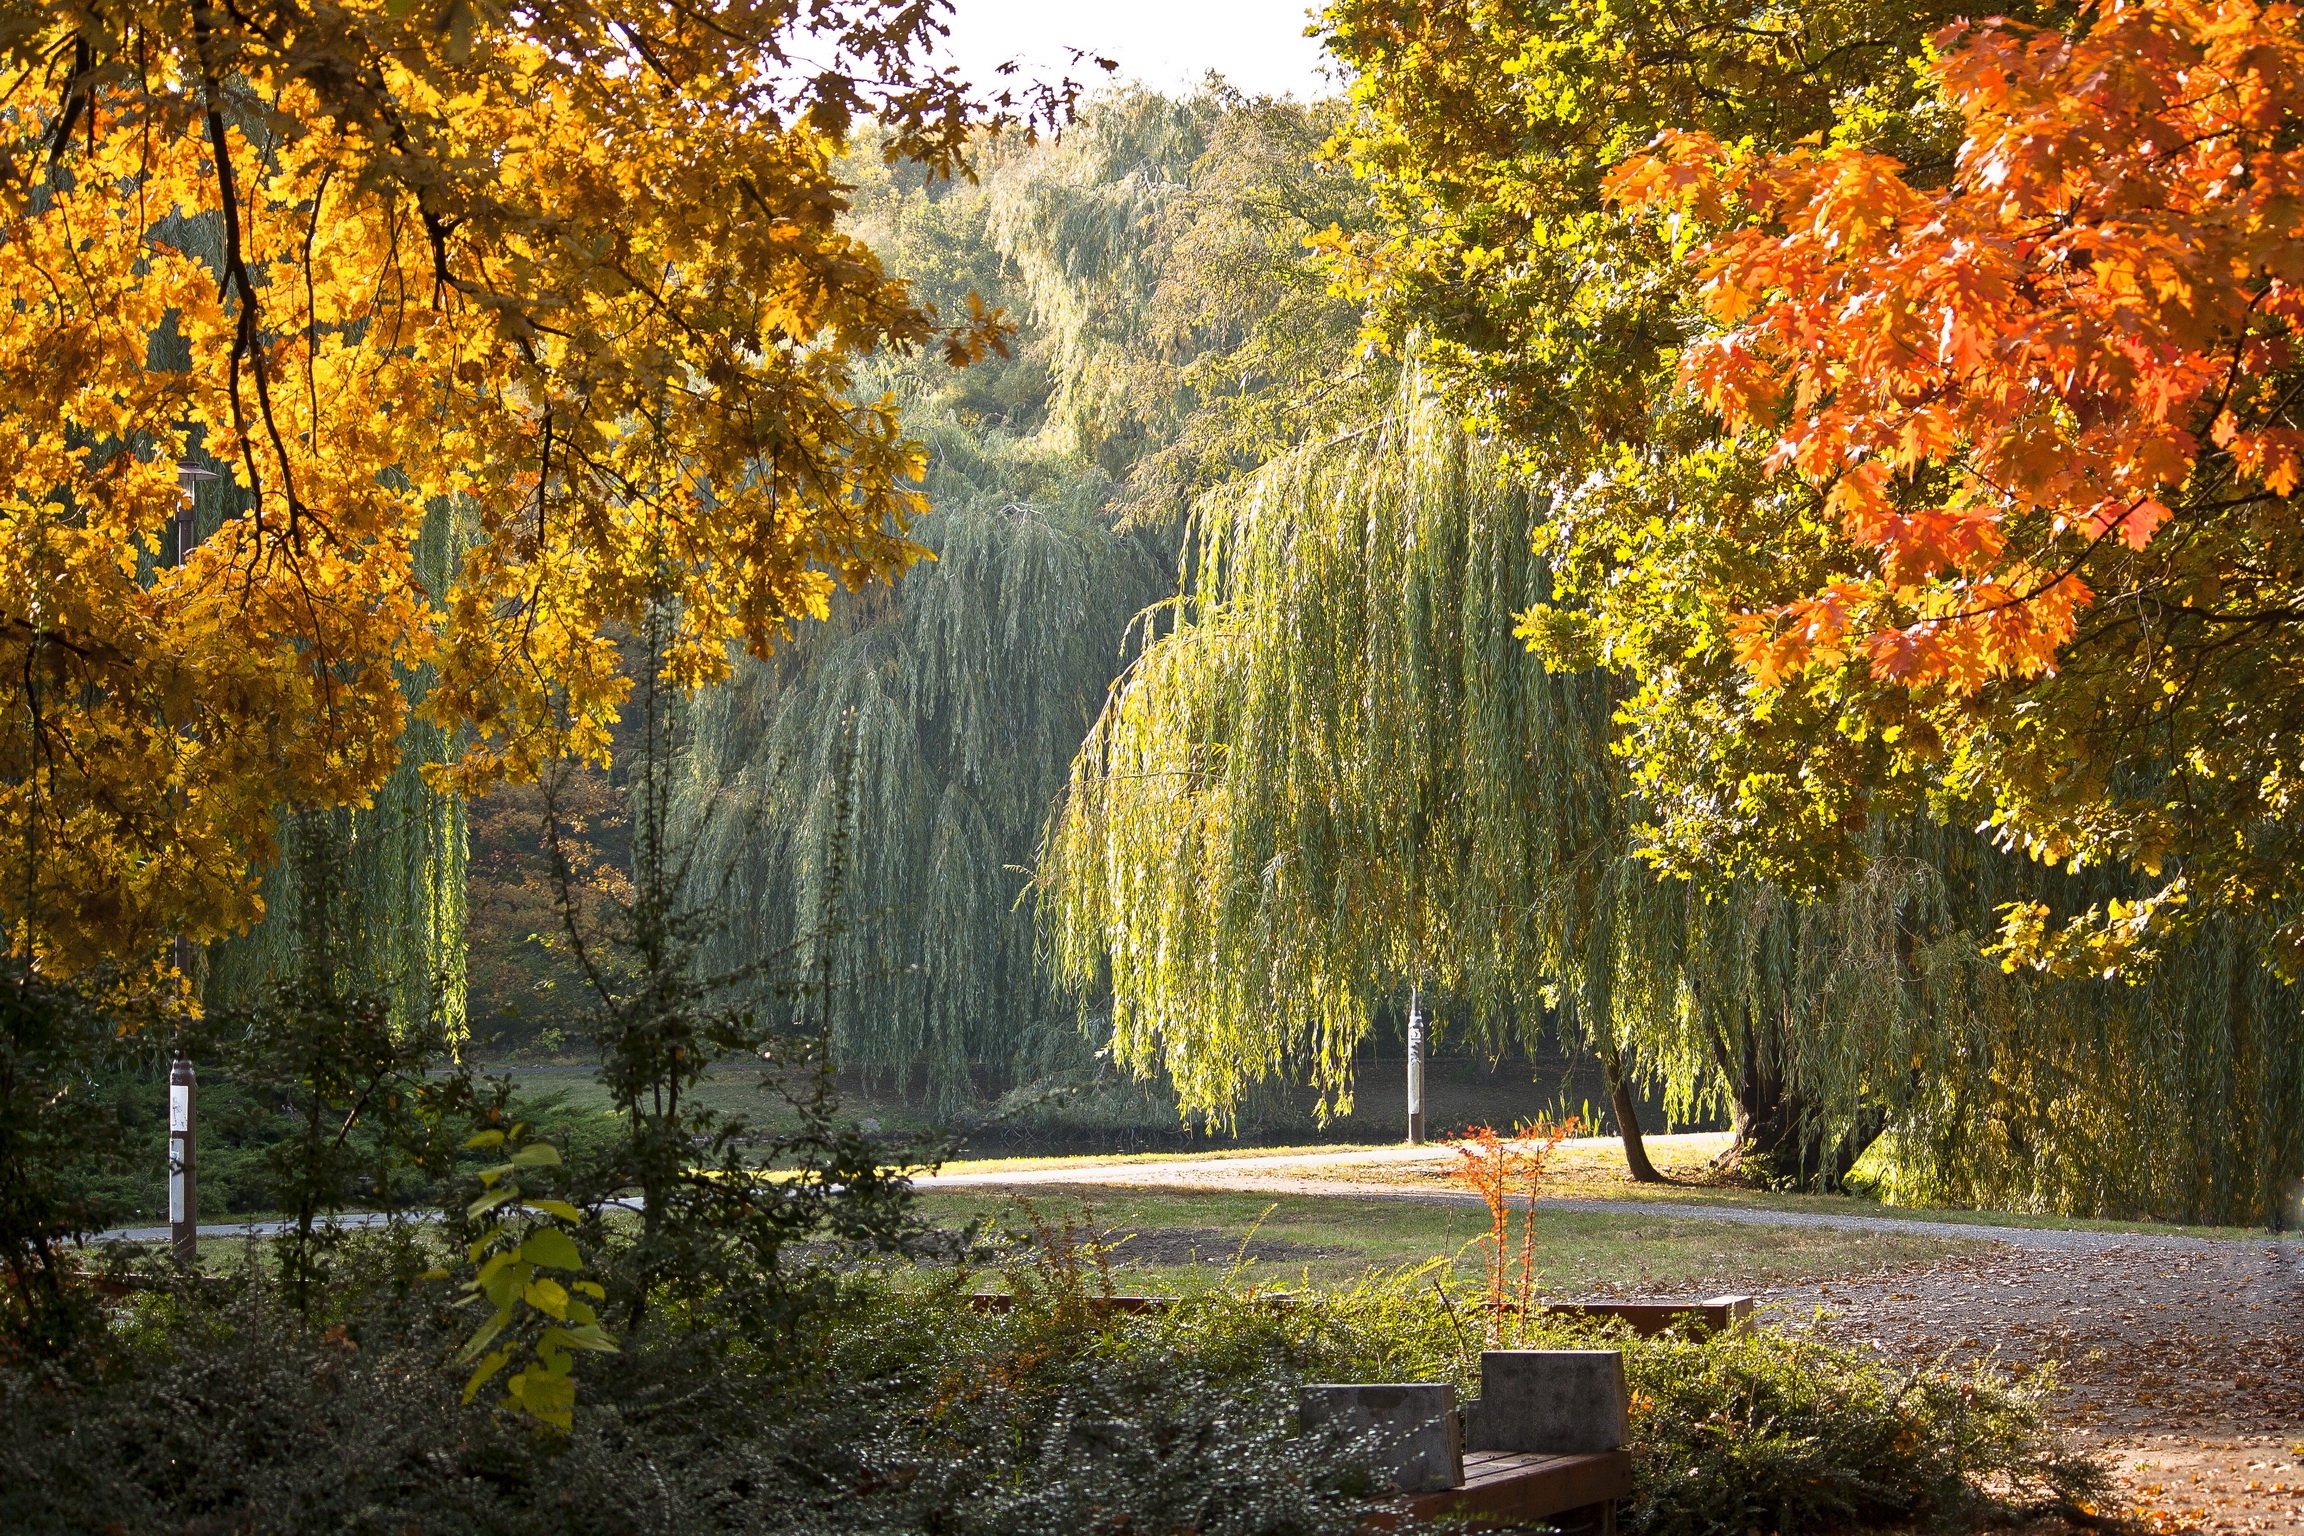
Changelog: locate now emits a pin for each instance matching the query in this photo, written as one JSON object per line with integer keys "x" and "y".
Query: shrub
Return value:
{"x": 901, "y": 1407}
{"x": 1765, "y": 1430}
{"x": 913, "y": 1414}
{"x": 62, "y": 1147}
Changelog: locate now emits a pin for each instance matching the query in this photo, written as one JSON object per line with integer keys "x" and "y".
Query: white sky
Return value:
{"x": 1258, "y": 45}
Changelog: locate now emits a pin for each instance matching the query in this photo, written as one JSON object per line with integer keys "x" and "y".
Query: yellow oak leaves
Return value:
{"x": 504, "y": 331}
{"x": 1993, "y": 380}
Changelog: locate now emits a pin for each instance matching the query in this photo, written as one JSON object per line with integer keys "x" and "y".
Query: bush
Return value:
{"x": 62, "y": 1147}
{"x": 902, "y": 1408}
{"x": 240, "y": 1414}
{"x": 1763, "y": 1430}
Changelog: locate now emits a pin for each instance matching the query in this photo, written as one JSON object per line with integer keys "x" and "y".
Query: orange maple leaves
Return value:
{"x": 1998, "y": 383}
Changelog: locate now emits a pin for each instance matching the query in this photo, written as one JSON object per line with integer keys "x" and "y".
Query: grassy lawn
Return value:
{"x": 1593, "y": 1169}
{"x": 1171, "y": 1238}
{"x": 574, "y": 1105}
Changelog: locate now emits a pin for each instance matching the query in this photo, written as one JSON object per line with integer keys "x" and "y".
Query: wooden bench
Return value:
{"x": 1715, "y": 1314}
{"x": 1504, "y": 1490}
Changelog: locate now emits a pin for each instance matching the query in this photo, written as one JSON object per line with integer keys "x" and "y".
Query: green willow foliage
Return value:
{"x": 876, "y": 788}
{"x": 1340, "y": 775}
{"x": 1334, "y": 777}
{"x": 872, "y": 798}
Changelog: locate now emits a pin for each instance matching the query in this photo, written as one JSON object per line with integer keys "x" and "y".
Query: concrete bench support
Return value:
{"x": 1420, "y": 1447}
{"x": 1543, "y": 1445}
{"x": 1550, "y": 1402}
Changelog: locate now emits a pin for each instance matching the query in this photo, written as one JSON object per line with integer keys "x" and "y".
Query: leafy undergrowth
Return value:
{"x": 906, "y": 1409}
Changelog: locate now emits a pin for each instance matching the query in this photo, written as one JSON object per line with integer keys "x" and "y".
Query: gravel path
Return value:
{"x": 2035, "y": 1239}
{"x": 2181, "y": 1361}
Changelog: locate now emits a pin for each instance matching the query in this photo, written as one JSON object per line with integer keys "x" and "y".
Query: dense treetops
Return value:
{"x": 2049, "y": 408}
{"x": 574, "y": 277}
{"x": 1915, "y": 407}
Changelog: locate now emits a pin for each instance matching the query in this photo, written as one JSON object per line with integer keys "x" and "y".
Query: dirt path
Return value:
{"x": 2183, "y": 1364}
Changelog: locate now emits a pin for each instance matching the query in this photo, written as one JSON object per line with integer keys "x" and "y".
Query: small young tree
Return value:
{"x": 362, "y": 1111}
{"x": 720, "y": 1197}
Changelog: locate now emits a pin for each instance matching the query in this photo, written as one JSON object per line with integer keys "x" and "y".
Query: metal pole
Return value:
{"x": 188, "y": 477}
{"x": 1415, "y": 1067}
{"x": 183, "y": 1115}
{"x": 183, "y": 1193}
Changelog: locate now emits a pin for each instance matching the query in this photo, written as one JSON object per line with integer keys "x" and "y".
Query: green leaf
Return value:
{"x": 547, "y": 1296}
{"x": 541, "y": 1155}
{"x": 487, "y": 1368}
{"x": 480, "y": 1341}
{"x": 490, "y": 1201}
{"x": 547, "y": 1397}
{"x": 559, "y": 1208}
{"x": 551, "y": 1248}
{"x": 485, "y": 1139}
{"x": 588, "y": 1336}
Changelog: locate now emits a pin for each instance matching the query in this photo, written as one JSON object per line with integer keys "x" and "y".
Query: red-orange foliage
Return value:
{"x": 1494, "y": 1165}
{"x": 1991, "y": 380}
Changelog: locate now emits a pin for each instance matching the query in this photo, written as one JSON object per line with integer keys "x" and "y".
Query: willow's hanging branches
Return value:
{"x": 1338, "y": 773}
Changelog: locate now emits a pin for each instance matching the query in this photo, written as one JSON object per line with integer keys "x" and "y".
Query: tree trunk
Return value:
{"x": 1780, "y": 1137}
{"x": 1628, "y": 1119}
{"x": 1779, "y": 1140}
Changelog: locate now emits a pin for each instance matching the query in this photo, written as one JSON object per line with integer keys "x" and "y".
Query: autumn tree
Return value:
{"x": 1554, "y": 319}
{"x": 569, "y": 277}
{"x": 2047, "y": 413}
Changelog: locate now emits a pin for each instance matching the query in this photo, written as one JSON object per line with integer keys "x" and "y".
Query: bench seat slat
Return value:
{"x": 1505, "y": 1488}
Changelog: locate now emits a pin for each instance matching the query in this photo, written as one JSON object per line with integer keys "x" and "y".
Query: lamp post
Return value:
{"x": 183, "y": 1195}
{"x": 183, "y": 1186}
{"x": 1415, "y": 1066}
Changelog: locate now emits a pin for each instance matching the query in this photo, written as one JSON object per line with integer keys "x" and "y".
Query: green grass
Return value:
{"x": 1328, "y": 1240}
{"x": 1594, "y": 1169}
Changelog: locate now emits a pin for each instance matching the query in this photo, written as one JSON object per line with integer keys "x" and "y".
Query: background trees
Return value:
{"x": 881, "y": 788}
{"x": 516, "y": 343}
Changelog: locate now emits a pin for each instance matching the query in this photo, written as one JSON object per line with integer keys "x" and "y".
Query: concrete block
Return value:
{"x": 1555, "y": 1402}
{"x": 1420, "y": 1444}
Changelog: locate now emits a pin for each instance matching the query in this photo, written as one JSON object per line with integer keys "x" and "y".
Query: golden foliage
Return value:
{"x": 570, "y": 277}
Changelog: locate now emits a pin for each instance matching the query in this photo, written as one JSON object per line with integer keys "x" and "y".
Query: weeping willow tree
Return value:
{"x": 367, "y": 901}
{"x": 1330, "y": 778}
{"x": 869, "y": 800}
{"x": 872, "y": 798}
{"x": 1337, "y": 774}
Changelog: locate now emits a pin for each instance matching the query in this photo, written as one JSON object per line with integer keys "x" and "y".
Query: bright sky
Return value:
{"x": 1258, "y": 45}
